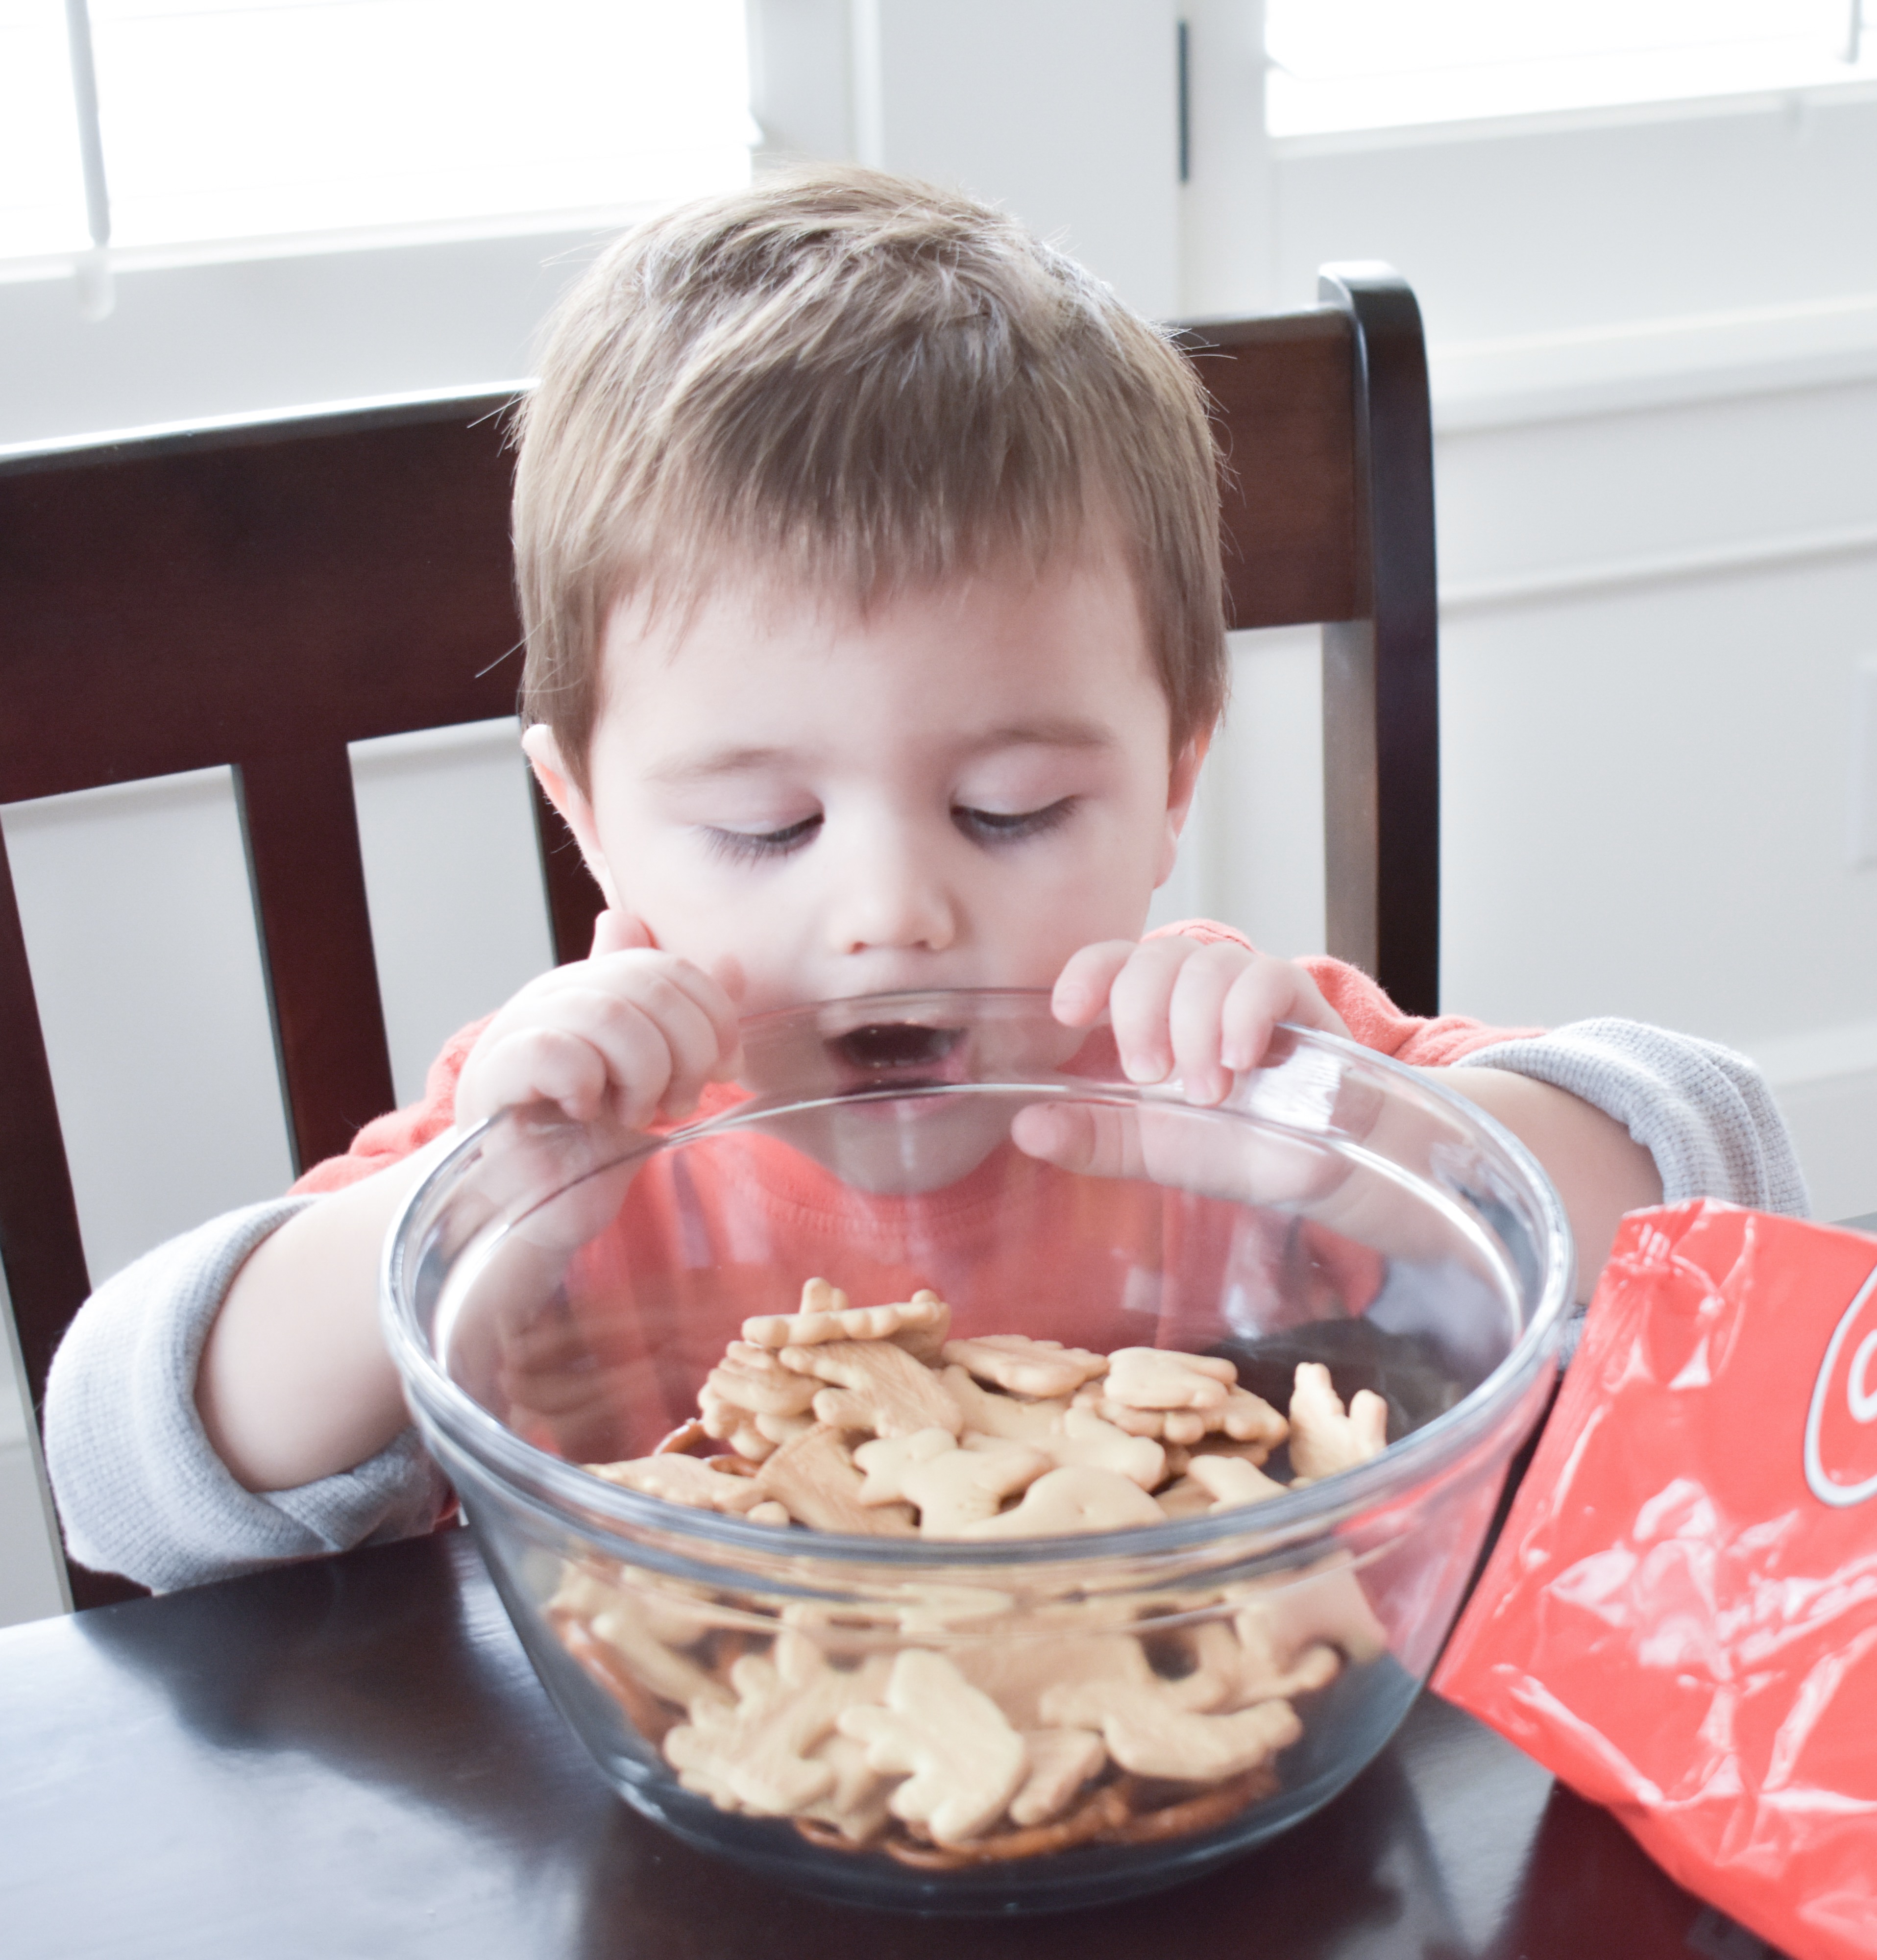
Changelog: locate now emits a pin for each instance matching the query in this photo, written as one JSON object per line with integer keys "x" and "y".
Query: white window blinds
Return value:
{"x": 1351, "y": 65}
{"x": 238, "y": 119}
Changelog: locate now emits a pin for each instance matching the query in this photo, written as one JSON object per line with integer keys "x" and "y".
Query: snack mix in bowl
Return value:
{"x": 952, "y": 1476}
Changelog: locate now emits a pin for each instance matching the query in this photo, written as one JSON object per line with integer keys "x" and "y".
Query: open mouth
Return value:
{"x": 885, "y": 1051}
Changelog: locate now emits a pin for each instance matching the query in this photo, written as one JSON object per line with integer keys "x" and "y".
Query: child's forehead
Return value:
{"x": 774, "y": 595}
{"x": 942, "y": 665}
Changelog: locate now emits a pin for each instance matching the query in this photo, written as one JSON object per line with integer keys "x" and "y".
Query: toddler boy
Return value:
{"x": 867, "y": 552}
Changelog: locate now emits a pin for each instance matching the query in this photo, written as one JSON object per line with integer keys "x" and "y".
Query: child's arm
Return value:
{"x": 1198, "y": 1011}
{"x": 1599, "y": 1169}
{"x": 295, "y": 1381}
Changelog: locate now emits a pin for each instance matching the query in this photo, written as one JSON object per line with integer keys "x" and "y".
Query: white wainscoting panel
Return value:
{"x": 32, "y": 1578}
{"x": 458, "y": 919}
{"x": 1652, "y": 632}
{"x": 140, "y": 927}
{"x": 1252, "y": 853}
{"x": 141, "y": 932}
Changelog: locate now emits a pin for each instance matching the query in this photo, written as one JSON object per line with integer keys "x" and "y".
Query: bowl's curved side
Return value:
{"x": 647, "y": 1620}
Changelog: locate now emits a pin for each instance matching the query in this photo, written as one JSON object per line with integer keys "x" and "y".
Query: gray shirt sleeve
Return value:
{"x": 139, "y": 1488}
{"x": 1702, "y": 1112}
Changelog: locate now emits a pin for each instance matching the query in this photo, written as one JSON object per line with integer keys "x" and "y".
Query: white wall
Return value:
{"x": 32, "y": 1582}
{"x": 1655, "y": 366}
{"x": 1655, "y": 376}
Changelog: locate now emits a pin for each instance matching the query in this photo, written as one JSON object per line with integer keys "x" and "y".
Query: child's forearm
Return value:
{"x": 1599, "y": 1169}
{"x": 295, "y": 1382}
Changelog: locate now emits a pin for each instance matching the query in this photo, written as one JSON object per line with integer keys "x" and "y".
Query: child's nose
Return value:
{"x": 891, "y": 897}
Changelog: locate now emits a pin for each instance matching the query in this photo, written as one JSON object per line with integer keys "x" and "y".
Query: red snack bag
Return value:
{"x": 1680, "y": 1618}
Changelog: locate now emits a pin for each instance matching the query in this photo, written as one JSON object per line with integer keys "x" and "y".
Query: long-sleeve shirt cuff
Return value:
{"x": 139, "y": 1488}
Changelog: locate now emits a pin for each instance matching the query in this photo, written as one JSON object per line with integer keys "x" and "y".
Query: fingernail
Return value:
{"x": 1143, "y": 1068}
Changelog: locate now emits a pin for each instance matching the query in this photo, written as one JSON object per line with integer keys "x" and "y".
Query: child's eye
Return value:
{"x": 741, "y": 846}
{"x": 992, "y": 826}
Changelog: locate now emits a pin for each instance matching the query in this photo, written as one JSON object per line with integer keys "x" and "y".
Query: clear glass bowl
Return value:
{"x": 555, "y": 1294}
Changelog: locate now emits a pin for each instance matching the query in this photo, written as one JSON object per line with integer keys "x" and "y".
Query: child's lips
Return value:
{"x": 900, "y": 1055}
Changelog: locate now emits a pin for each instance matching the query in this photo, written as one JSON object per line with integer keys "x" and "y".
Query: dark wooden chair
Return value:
{"x": 261, "y": 596}
{"x": 1328, "y": 515}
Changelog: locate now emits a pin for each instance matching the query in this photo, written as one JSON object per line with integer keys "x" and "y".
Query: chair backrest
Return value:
{"x": 261, "y": 596}
{"x": 1328, "y": 515}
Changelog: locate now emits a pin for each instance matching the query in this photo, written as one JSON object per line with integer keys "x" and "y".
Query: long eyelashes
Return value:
{"x": 983, "y": 826}
{"x": 998, "y": 827}
{"x": 742, "y": 847}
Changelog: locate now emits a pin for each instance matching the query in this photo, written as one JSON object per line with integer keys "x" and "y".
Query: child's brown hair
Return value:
{"x": 862, "y": 384}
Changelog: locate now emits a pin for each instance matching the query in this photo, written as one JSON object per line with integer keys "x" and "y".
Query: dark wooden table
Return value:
{"x": 352, "y": 1757}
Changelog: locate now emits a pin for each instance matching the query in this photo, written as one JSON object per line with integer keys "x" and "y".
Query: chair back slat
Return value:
{"x": 300, "y": 827}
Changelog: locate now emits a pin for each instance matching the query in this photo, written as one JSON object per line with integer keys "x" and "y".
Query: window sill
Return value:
{"x": 131, "y": 258}
{"x": 1638, "y": 365}
{"x": 1792, "y": 104}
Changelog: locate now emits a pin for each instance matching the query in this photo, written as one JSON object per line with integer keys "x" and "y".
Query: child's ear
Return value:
{"x": 1182, "y": 780}
{"x": 538, "y": 744}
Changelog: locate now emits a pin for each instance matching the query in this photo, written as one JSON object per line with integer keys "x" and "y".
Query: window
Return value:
{"x": 1342, "y": 65}
{"x": 228, "y": 120}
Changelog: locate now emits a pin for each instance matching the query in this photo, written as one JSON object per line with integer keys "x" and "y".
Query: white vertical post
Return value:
{"x": 1063, "y": 111}
{"x": 1228, "y": 204}
{"x": 801, "y": 78}
{"x": 96, "y": 296}
{"x": 867, "y": 83}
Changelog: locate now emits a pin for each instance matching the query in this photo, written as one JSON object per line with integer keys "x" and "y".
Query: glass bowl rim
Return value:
{"x": 572, "y": 1498}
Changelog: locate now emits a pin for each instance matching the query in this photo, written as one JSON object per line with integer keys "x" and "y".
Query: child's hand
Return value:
{"x": 629, "y": 1032}
{"x": 1180, "y": 1008}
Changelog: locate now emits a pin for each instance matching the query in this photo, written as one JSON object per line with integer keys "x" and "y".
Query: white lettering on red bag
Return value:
{"x": 1841, "y": 1425}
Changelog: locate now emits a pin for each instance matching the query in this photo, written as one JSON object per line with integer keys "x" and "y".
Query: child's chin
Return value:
{"x": 900, "y": 1146}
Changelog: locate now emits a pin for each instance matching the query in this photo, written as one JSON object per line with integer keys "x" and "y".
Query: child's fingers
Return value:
{"x": 1265, "y": 994}
{"x": 696, "y": 1014}
{"x": 618, "y": 932}
{"x": 721, "y": 995}
{"x": 660, "y": 1040}
{"x": 727, "y": 971}
{"x": 1093, "y": 1141}
{"x": 621, "y": 1026}
{"x": 1081, "y": 996}
{"x": 717, "y": 1002}
{"x": 1251, "y": 1008}
{"x": 533, "y": 1065}
{"x": 650, "y": 1029}
{"x": 1139, "y": 1004}
{"x": 1195, "y": 1016}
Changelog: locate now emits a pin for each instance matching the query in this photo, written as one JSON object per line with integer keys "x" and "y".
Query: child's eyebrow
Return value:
{"x": 683, "y": 770}
{"x": 1063, "y": 732}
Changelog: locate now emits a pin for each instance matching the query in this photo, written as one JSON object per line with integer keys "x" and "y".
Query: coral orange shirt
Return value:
{"x": 705, "y": 1237}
